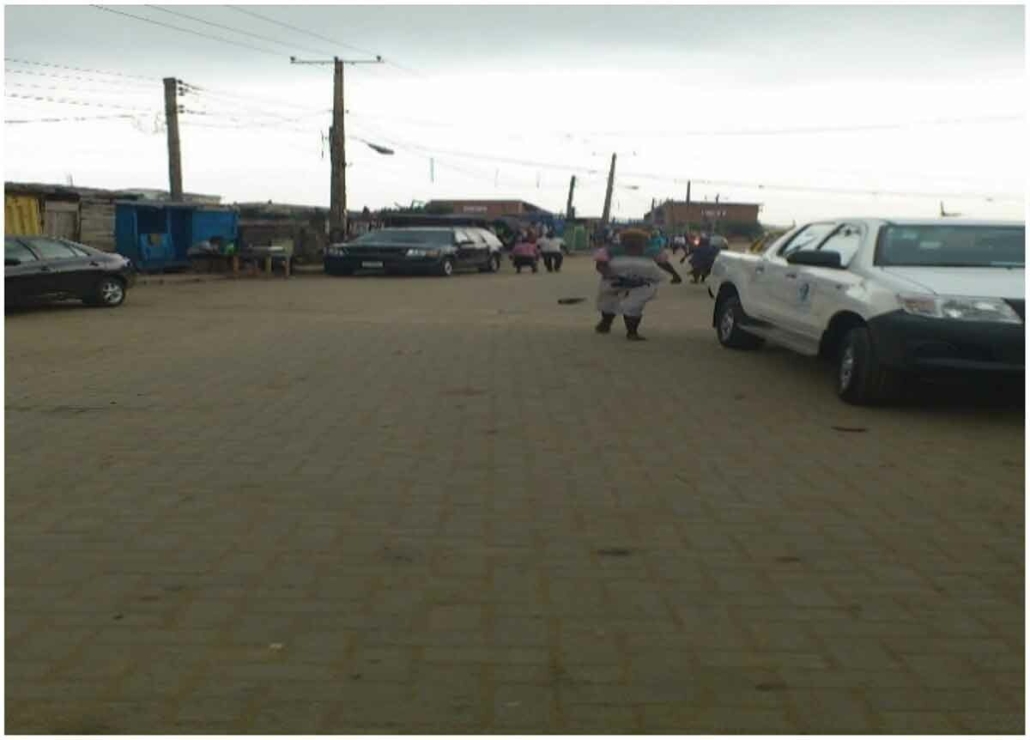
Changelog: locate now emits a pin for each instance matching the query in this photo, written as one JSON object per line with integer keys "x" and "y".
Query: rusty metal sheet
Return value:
{"x": 22, "y": 216}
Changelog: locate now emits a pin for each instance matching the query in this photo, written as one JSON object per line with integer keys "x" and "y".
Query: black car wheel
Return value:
{"x": 861, "y": 378}
{"x": 727, "y": 325}
{"x": 447, "y": 267}
{"x": 109, "y": 293}
{"x": 493, "y": 264}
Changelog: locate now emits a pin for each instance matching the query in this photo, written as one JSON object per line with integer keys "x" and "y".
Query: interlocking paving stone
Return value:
{"x": 377, "y": 505}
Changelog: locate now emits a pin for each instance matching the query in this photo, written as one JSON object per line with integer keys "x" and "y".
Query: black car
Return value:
{"x": 434, "y": 250}
{"x": 46, "y": 267}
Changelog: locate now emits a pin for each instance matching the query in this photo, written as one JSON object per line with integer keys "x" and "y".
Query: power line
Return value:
{"x": 723, "y": 183}
{"x": 69, "y": 101}
{"x": 807, "y": 130}
{"x": 211, "y": 92}
{"x": 322, "y": 38}
{"x": 75, "y": 90}
{"x": 230, "y": 28}
{"x": 299, "y": 30}
{"x": 82, "y": 78}
{"x": 201, "y": 34}
{"x": 70, "y": 118}
{"x": 79, "y": 69}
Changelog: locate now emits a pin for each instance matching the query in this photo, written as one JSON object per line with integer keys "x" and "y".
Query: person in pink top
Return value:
{"x": 526, "y": 253}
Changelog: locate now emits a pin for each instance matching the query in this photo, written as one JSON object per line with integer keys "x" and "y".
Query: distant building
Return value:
{"x": 678, "y": 213}
{"x": 485, "y": 208}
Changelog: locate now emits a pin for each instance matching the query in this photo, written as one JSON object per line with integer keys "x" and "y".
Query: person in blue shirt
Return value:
{"x": 659, "y": 245}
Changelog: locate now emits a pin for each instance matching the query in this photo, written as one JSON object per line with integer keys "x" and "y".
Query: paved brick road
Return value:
{"x": 391, "y": 505}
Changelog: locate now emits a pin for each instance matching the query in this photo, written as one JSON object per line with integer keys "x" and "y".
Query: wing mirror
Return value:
{"x": 816, "y": 258}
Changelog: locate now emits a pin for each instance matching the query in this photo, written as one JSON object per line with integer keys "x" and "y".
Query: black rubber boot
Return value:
{"x": 605, "y": 324}
{"x": 632, "y": 323}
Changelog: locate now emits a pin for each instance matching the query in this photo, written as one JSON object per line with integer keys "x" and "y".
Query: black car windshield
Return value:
{"x": 951, "y": 245}
{"x": 421, "y": 237}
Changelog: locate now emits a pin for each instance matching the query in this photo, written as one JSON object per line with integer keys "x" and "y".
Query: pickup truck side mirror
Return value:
{"x": 11, "y": 261}
{"x": 816, "y": 258}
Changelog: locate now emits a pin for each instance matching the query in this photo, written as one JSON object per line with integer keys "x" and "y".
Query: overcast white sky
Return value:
{"x": 510, "y": 101}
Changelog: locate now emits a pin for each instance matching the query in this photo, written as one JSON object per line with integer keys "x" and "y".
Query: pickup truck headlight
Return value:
{"x": 959, "y": 308}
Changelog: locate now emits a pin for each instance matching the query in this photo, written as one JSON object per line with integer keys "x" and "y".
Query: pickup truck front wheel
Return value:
{"x": 861, "y": 378}
{"x": 727, "y": 325}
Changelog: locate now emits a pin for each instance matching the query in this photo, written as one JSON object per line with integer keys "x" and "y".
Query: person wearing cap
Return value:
{"x": 629, "y": 279}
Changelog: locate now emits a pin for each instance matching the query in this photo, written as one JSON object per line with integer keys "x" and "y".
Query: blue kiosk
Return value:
{"x": 157, "y": 235}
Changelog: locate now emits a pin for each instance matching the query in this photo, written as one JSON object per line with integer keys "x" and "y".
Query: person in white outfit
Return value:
{"x": 629, "y": 279}
{"x": 551, "y": 251}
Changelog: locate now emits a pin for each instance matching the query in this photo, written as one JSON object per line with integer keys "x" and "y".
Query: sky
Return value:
{"x": 812, "y": 111}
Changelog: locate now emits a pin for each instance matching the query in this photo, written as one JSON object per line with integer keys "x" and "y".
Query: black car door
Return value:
{"x": 25, "y": 274}
{"x": 466, "y": 248}
{"x": 68, "y": 269}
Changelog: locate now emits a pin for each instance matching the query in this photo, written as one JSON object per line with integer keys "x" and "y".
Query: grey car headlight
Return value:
{"x": 959, "y": 308}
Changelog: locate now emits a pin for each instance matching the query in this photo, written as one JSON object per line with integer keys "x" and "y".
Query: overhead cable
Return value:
{"x": 201, "y": 34}
{"x": 230, "y": 28}
{"x": 71, "y": 118}
{"x": 70, "y": 101}
{"x": 78, "y": 69}
{"x": 85, "y": 78}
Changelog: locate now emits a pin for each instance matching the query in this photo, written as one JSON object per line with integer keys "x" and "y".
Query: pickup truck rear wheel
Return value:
{"x": 861, "y": 377}
{"x": 727, "y": 326}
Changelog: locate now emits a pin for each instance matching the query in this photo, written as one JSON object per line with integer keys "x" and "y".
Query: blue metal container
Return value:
{"x": 156, "y": 236}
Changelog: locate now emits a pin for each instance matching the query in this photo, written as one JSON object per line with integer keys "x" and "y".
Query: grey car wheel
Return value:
{"x": 447, "y": 268}
{"x": 110, "y": 292}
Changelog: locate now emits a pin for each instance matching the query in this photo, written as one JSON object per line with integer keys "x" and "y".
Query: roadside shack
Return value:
{"x": 159, "y": 236}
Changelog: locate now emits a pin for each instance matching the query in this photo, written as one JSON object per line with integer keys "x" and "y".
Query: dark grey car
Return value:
{"x": 46, "y": 267}
{"x": 435, "y": 250}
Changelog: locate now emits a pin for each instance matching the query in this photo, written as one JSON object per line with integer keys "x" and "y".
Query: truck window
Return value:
{"x": 807, "y": 238}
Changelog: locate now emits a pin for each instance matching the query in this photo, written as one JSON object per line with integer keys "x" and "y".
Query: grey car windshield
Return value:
{"x": 415, "y": 237}
{"x": 952, "y": 246}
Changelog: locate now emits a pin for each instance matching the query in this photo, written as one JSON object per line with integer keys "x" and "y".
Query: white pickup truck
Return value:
{"x": 881, "y": 298}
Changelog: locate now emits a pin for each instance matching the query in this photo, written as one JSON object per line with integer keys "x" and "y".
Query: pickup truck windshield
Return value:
{"x": 420, "y": 237}
{"x": 951, "y": 246}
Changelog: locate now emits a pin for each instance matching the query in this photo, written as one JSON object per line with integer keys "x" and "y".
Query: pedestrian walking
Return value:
{"x": 629, "y": 280}
{"x": 659, "y": 245}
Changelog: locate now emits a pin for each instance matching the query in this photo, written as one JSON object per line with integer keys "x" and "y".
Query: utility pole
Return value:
{"x": 174, "y": 152}
{"x": 570, "y": 212}
{"x": 606, "y": 215}
{"x": 338, "y": 147}
{"x": 338, "y": 160}
{"x": 688, "y": 205}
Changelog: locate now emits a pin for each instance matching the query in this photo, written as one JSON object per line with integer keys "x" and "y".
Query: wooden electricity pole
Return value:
{"x": 688, "y": 205}
{"x": 569, "y": 210}
{"x": 338, "y": 148}
{"x": 606, "y": 215}
{"x": 174, "y": 152}
{"x": 338, "y": 160}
